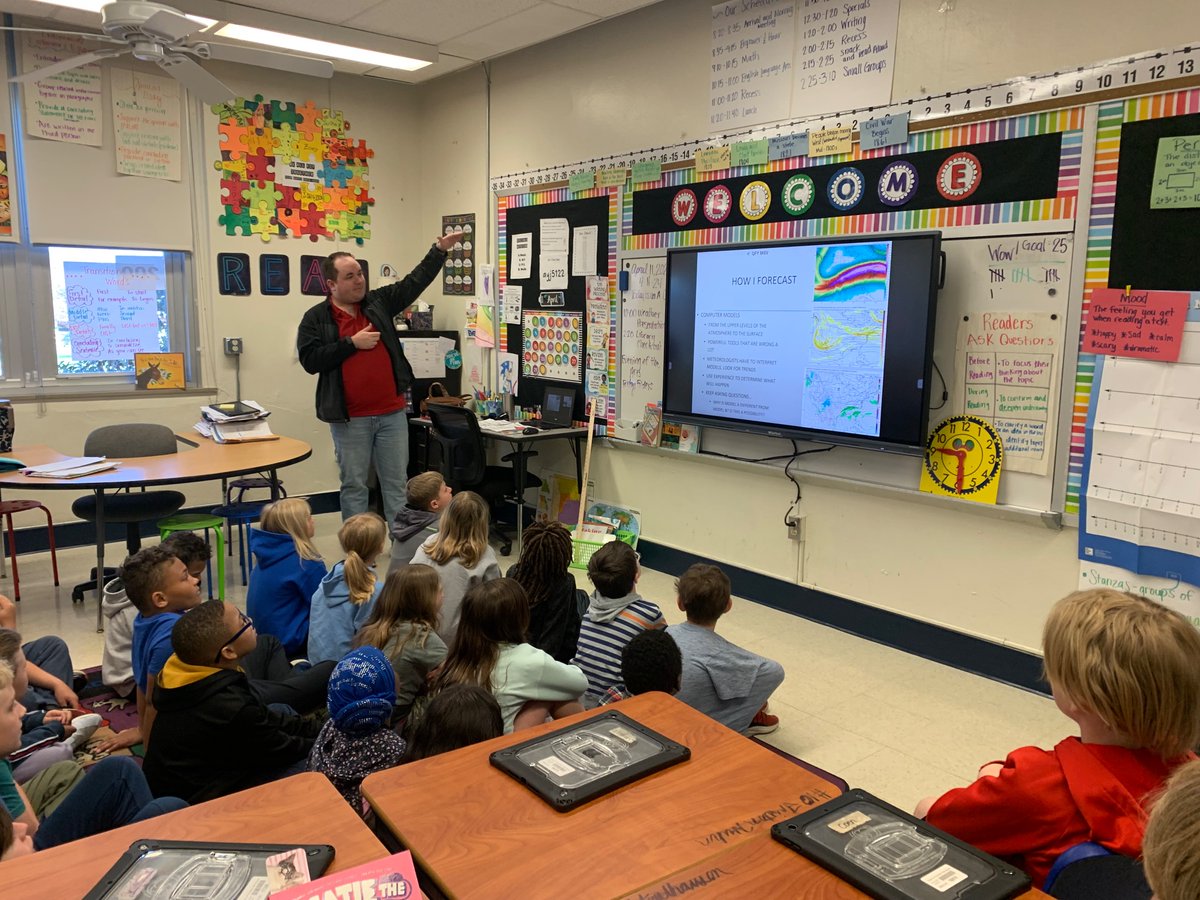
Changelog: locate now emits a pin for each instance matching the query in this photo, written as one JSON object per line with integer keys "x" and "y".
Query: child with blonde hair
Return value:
{"x": 347, "y": 594}
{"x": 489, "y": 650}
{"x": 460, "y": 554}
{"x": 1172, "y": 845}
{"x": 404, "y": 626}
{"x": 1124, "y": 668}
{"x": 287, "y": 570}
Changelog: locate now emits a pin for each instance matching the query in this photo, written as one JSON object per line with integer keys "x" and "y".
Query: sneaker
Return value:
{"x": 762, "y": 723}
{"x": 85, "y": 726}
{"x": 300, "y": 664}
{"x": 79, "y": 680}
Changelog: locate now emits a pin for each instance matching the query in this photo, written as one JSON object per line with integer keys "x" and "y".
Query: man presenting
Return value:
{"x": 350, "y": 343}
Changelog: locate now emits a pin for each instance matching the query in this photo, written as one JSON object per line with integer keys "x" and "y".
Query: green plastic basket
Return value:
{"x": 582, "y": 549}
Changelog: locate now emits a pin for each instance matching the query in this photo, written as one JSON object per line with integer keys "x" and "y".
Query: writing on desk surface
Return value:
{"x": 686, "y": 886}
{"x": 784, "y": 810}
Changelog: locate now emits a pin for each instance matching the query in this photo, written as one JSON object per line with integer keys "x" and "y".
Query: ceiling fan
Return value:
{"x": 158, "y": 34}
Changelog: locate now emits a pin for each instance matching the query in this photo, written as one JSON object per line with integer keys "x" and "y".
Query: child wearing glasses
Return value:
{"x": 208, "y": 711}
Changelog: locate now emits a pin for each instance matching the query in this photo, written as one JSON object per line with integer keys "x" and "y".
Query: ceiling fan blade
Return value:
{"x": 86, "y": 35}
{"x": 170, "y": 25}
{"x": 268, "y": 59}
{"x": 66, "y": 65}
{"x": 189, "y": 73}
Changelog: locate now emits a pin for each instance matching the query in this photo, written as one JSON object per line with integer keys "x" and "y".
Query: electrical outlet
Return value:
{"x": 233, "y": 346}
{"x": 794, "y": 530}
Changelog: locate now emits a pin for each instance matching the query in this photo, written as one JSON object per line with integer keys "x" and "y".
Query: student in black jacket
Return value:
{"x": 349, "y": 342}
{"x": 212, "y": 735}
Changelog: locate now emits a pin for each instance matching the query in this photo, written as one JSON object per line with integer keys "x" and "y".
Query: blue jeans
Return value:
{"x": 366, "y": 439}
{"x": 49, "y": 653}
{"x": 113, "y": 793}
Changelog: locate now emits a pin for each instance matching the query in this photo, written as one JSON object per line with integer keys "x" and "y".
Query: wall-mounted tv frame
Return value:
{"x": 823, "y": 339}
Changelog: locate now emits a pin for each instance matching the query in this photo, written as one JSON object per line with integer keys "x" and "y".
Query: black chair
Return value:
{"x": 1088, "y": 871}
{"x": 128, "y": 507}
{"x": 463, "y": 463}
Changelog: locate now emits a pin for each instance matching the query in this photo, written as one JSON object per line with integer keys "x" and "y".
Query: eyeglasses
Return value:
{"x": 247, "y": 623}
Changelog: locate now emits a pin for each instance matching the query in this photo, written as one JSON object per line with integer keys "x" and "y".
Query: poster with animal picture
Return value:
{"x": 552, "y": 345}
{"x": 160, "y": 371}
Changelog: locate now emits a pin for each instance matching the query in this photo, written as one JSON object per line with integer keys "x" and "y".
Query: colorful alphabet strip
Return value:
{"x": 288, "y": 170}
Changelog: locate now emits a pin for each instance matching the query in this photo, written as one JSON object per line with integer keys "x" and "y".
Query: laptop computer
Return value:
{"x": 558, "y": 407}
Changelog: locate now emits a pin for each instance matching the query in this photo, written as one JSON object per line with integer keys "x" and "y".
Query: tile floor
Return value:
{"x": 889, "y": 722}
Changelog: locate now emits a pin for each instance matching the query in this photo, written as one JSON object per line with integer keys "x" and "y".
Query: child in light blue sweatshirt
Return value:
{"x": 347, "y": 594}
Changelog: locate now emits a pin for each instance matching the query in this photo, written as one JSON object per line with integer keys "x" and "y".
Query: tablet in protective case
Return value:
{"x": 588, "y": 759}
{"x": 892, "y": 855}
{"x": 157, "y": 870}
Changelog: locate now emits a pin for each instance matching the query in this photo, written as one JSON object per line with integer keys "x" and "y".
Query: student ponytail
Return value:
{"x": 362, "y": 538}
{"x": 291, "y": 516}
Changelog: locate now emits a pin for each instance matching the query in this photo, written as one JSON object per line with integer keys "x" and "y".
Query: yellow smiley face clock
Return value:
{"x": 962, "y": 459}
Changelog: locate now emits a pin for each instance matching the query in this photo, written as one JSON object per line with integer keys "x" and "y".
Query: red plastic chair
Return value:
{"x": 7, "y": 509}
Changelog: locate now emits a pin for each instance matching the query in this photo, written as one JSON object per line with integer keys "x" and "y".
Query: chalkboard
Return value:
{"x": 1027, "y": 271}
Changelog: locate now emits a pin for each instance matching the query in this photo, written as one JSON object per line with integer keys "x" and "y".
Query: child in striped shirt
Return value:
{"x": 616, "y": 614}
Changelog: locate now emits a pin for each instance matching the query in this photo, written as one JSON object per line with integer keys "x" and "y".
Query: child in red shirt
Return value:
{"x": 1124, "y": 668}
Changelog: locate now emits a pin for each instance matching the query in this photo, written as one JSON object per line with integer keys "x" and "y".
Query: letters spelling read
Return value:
{"x": 1141, "y": 324}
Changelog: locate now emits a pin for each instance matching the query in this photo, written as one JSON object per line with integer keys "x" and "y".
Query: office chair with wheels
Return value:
{"x": 463, "y": 463}
{"x": 130, "y": 507}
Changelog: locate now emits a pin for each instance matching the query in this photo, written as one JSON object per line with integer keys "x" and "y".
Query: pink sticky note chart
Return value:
{"x": 1141, "y": 324}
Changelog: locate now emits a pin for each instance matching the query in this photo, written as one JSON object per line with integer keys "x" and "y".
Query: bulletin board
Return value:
{"x": 551, "y": 340}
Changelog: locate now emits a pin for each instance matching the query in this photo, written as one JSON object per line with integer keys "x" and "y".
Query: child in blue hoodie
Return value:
{"x": 287, "y": 570}
{"x": 347, "y": 594}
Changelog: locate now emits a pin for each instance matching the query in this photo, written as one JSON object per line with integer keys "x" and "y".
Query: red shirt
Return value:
{"x": 1045, "y": 802}
{"x": 367, "y": 378}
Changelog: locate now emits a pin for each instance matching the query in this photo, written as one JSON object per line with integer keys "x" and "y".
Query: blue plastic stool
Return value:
{"x": 196, "y": 522}
{"x": 241, "y": 515}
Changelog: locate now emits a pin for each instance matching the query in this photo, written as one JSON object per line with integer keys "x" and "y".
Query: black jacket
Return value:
{"x": 554, "y": 623}
{"x": 213, "y": 737}
{"x": 322, "y": 352}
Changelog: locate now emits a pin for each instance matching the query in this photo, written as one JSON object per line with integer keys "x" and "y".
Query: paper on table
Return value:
{"x": 555, "y": 233}
{"x": 426, "y": 356}
{"x": 521, "y": 262}
{"x": 586, "y": 238}
{"x": 512, "y": 304}
{"x": 552, "y": 270}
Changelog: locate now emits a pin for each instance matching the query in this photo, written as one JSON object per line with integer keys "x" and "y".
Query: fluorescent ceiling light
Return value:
{"x": 320, "y": 48}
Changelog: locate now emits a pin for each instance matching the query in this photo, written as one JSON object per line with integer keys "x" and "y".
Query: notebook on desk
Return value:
{"x": 558, "y": 407}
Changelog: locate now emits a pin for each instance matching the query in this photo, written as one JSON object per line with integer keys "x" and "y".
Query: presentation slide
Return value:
{"x": 793, "y": 335}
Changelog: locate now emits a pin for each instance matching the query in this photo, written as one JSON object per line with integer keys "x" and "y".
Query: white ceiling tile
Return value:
{"x": 531, "y": 26}
{"x": 317, "y": 10}
{"x": 434, "y": 22}
{"x": 605, "y": 9}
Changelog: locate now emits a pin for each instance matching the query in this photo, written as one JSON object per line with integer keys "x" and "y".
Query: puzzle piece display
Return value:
{"x": 231, "y": 163}
{"x": 236, "y": 221}
{"x": 283, "y": 115}
{"x": 290, "y": 221}
{"x": 332, "y": 122}
{"x": 263, "y": 222}
{"x": 232, "y": 192}
{"x": 306, "y": 119}
{"x": 232, "y": 135}
{"x": 262, "y": 193}
{"x": 285, "y": 141}
{"x": 257, "y": 140}
{"x": 260, "y": 167}
{"x": 335, "y": 174}
{"x": 314, "y": 222}
{"x": 340, "y": 200}
{"x": 288, "y": 196}
{"x": 314, "y": 194}
{"x": 310, "y": 146}
{"x": 359, "y": 152}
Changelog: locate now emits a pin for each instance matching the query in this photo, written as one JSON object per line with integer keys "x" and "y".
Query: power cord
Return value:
{"x": 945, "y": 390}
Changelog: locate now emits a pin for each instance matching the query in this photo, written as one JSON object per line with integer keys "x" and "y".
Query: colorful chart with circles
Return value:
{"x": 553, "y": 342}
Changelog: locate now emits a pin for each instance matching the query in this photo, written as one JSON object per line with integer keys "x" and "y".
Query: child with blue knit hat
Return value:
{"x": 357, "y": 739}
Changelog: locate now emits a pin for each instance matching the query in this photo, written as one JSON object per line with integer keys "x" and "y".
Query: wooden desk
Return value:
{"x": 759, "y": 867}
{"x": 477, "y": 832}
{"x": 303, "y": 809}
{"x": 203, "y": 460}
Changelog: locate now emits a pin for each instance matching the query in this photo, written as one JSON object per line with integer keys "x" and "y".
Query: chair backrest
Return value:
{"x": 131, "y": 439}
{"x": 1088, "y": 870}
{"x": 464, "y": 458}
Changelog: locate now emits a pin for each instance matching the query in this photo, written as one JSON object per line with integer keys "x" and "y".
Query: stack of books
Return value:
{"x": 235, "y": 422}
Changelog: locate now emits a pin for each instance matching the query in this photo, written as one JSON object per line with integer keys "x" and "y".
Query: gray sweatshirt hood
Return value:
{"x": 605, "y": 609}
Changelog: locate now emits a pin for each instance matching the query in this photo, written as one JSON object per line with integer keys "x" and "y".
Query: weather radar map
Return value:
{"x": 843, "y": 383}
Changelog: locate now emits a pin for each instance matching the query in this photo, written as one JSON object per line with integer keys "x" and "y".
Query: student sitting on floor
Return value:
{"x": 615, "y": 614}
{"x": 720, "y": 679}
{"x": 404, "y": 626}
{"x": 1124, "y": 668}
{"x": 1172, "y": 846}
{"x": 212, "y": 735}
{"x": 650, "y": 662}
{"x": 52, "y": 678}
{"x": 110, "y": 794}
{"x": 554, "y": 607}
{"x": 461, "y": 555}
{"x": 348, "y": 593}
{"x": 15, "y": 840}
{"x": 116, "y": 665}
{"x": 460, "y": 715}
{"x": 287, "y": 572}
{"x": 428, "y": 495}
{"x": 489, "y": 650}
{"x": 356, "y": 740}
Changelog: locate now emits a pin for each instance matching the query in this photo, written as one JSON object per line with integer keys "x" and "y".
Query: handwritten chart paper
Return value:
{"x": 145, "y": 111}
{"x": 1178, "y": 595}
{"x": 112, "y": 308}
{"x": 63, "y": 107}
{"x": 643, "y": 339}
{"x": 1142, "y": 505}
{"x": 1009, "y": 364}
{"x": 886, "y": 131}
{"x": 1176, "y": 183}
{"x": 750, "y": 67}
{"x": 1142, "y": 324}
{"x": 846, "y": 54}
{"x": 712, "y": 159}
